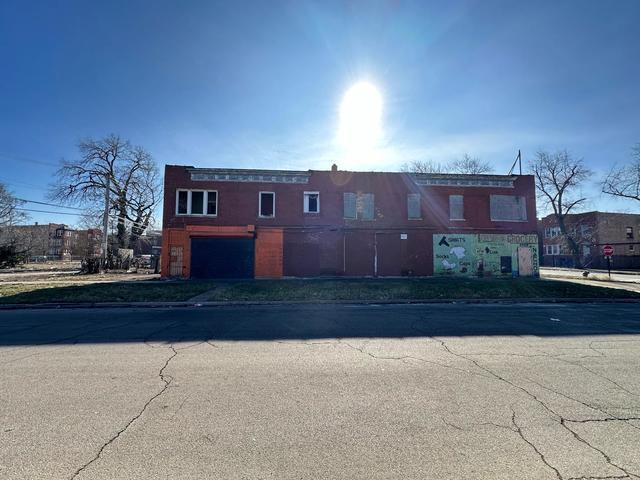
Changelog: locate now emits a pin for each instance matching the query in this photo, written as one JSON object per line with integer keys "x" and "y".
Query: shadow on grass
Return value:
{"x": 308, "y": 290}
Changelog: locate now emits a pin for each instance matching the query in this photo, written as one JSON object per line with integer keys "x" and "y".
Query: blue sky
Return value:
{"x": 259, "y": 84}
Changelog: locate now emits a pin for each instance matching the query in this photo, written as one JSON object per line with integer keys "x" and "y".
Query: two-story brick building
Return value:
{"x": 591, "y": 231}
{"x": 272, "y": 223}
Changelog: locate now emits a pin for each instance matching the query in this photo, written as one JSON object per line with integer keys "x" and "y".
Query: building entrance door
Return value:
{"x": 525, "y": 262}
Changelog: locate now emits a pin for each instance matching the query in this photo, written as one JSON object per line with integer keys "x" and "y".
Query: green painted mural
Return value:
{"x": 498, "y": 255}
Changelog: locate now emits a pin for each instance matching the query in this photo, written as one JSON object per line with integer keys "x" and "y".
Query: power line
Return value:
{"x": 46, "y": 211}
{"x": 49, "y": 204}
{"x": 21, "y": 184}
{"x": 27, "y": 159}
{"x": 113, "y": 217}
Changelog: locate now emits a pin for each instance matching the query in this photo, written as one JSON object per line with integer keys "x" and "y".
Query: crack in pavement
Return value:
{"x": 500, "y": 378}
{"x": 597, "y": 374}
{"x": 166, "y": 379}
{"x": 555, "y": 414}
{"x": 409, "y": 357}
{"x": 596, "y": 420}
{"x": 518, "y": 430}
{"x": 599, "y": 478}
{"x": 147, "y": 339}
{"x": 592, "y": 407}
{"x": 60, "y": 340}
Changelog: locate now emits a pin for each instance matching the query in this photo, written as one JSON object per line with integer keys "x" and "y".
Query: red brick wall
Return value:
{"x": 238, "y": 202}
{"x": 298, "y": 244}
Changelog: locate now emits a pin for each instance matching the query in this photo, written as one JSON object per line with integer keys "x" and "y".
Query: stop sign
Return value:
{"x": 607, "y": 250}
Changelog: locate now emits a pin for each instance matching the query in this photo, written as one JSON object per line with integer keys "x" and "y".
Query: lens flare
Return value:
{"x": 360, "y": 118}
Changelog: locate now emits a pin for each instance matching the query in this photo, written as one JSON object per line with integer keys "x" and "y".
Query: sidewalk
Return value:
{"x": 591, "y": 270}
{"x": 601, "y": 277}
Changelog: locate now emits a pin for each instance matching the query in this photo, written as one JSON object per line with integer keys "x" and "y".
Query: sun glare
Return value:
{"x": 360, "y": 118}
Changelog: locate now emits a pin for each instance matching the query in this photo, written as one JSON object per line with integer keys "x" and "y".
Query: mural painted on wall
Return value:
{"x": 486, "y": 254}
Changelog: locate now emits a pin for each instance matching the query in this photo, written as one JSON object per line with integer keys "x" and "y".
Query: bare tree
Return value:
{"x": 624, "y": 181}
{"x": 129, "y": 173}
{"x": 471, "y": 165}
{"x": 558, "y": 178}
{"x": 423, "y": 166}
{"x": 10, "y": 213}
{"x": 11, "y": 253}
{"x": 467, "y": 165}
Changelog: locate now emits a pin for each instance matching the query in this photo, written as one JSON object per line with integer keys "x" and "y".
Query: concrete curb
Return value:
{"x": 471, "y": 301}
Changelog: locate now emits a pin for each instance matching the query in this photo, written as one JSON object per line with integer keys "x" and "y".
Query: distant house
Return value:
{"x": 148, "y": 243}
{"x": 273, "y": 223}
{"x": 53, "y": 241}
{"x": 591, "y": 231}
{"x": 35, "y": 239}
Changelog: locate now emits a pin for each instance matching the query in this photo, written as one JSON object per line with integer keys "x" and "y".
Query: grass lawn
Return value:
{"x": 102, "y": 292}
{"x": 412, "y": 289}
{"x": 319, "y": 289}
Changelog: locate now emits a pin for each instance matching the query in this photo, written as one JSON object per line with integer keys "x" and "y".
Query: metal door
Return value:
{"x": 175, "y": 261}
{"x": 222, "y": 257}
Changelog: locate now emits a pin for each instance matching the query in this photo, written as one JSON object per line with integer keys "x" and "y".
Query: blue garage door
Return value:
{"x": 222, "y": 258}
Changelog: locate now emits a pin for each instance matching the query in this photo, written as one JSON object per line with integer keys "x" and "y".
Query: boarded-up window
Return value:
{"x": 508, "y": 208}
{"x": 360, "y": 205}
{"x": 365, "y": 206}
{"x": 456, "y": 207}
{"x": 349, "y": 205}
{"x": 413, "y": 206}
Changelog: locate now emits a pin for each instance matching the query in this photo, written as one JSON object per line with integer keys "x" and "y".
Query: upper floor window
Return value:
{"x": 552, "y": 249}
{"x": 629, "y": 232}
{"x": 311, "y": 202}
{"x": 551, "y": 232}
{"x": 509, "y": 208}
{"x": 413, "y": 206}
{"x": 586, "y": 230}
{"x": 267, "y": 204}
{"x": 358, "y": 205}
{"x": 197, "y": 202}
{"x": 456, "y": 207}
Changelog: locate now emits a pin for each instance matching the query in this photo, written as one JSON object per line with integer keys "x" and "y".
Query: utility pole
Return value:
{"x": 105, "y": 225}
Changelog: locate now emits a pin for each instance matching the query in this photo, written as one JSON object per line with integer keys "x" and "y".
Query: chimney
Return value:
{"x": 334, "y": 168}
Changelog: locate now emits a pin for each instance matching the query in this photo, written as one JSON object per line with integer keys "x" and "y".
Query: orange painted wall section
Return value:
{"x": 181, "y": 237}
{"x": 268, "y": 253}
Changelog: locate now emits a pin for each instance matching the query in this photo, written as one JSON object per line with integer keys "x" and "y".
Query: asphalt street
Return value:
{"x": 322, "y": 391}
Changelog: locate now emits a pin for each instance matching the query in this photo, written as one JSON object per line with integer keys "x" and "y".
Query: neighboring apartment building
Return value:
{"x": 275, "y": 223}
{"x": 591, "y": 231}
{"x": 53, "y": 241}
{"x": 33, "y": 238}
{"x": 66, "y": 243}
{"x": 61, "y": 242}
